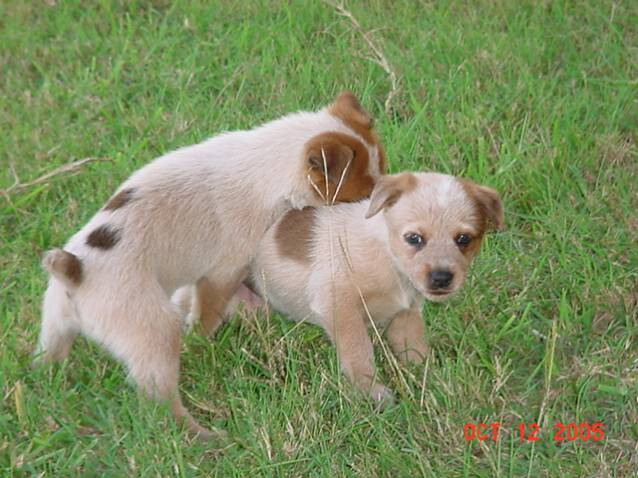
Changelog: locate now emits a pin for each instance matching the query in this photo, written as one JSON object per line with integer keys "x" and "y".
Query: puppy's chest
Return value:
{"x": 385, "y": 304}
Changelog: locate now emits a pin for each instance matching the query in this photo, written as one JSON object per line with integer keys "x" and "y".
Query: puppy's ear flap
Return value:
{"x": 329, "y": 156}
{"x": 490, "y": 204}
{"x": 347, "y": 107}
{"x": 388, "y": 190}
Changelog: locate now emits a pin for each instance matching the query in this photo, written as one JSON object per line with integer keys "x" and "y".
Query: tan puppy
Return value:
{"x": 196, "y": 215}
{"x": 327, "y": 265}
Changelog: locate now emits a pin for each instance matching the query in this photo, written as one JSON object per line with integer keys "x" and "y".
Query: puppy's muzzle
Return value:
{"x": 439, "y": 280}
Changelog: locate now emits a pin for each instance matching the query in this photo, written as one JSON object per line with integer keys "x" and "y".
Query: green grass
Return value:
{"x": 537, "y": 99}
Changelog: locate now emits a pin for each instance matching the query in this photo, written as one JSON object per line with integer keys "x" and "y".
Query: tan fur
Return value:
{"x": 193, "y": 216}
{"x": 352, "y": 256}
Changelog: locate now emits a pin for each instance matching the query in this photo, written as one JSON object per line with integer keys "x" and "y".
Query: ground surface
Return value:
{"x": 537, "y": 99}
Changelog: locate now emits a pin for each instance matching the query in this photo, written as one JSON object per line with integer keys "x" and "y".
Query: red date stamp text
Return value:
{"x": 530, "y": 432}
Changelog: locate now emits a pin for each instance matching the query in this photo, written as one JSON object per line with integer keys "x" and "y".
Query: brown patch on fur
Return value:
{"x": 388, "y": 191}
{"x": 339, "y": 149}
{"x": 294, "y": 234}
{"x": 64, "y": 265}
{"x": 120, "y": 199}
{"x": 488, "y": 205}
{"x": 213, "y": 299}
{"x": 348, "y": 109}
{"x": 104, "y": 237}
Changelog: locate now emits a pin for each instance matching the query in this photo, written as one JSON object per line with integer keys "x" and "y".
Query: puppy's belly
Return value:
{"x": 283, "y": 286}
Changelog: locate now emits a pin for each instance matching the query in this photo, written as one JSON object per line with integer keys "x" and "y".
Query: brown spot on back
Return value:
{"x": 294, "y": 234}
{"x": 104, "y": 237}
{"x": 120, "y": 199}
{"x": 339, "y": 149}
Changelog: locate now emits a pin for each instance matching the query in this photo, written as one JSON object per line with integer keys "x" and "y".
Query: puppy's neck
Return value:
{"x": 275, "y": 164}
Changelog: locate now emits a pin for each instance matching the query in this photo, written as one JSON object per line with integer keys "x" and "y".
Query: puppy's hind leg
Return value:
{"x": 150, "y": 348}
{"x": 59, "y": 327}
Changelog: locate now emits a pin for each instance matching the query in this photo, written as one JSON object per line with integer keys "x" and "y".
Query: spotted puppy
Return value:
{"x": 196, "y": 215}
{"x": 345, "y": 266}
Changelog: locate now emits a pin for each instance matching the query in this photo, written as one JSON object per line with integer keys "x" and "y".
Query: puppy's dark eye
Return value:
{"x": 414, "y": 239}
{"x": 463, "y": 240}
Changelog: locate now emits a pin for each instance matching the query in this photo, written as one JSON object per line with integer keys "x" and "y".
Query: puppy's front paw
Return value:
{"x": 39, "y": 359}
{"x": 216, "y": 435}
{"x": 381, "y": 395}
{"x": 413, "y": 356}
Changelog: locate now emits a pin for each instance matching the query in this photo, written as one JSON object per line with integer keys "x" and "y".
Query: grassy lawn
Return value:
{"x": 536, "y": 99}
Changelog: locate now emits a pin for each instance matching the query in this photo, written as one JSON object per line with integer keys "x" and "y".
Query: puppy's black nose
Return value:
{"x": 440, "y": 278}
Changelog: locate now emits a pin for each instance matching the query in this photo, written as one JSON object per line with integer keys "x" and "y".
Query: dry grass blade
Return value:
{"x": 68, "y": 168}
{"x": 379, "y": 56}
{"x": 325, "y": 174}
{"x": 341, "y": 178}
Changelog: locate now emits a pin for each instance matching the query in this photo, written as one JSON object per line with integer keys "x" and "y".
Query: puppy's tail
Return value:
{"x": 64, "y": 266}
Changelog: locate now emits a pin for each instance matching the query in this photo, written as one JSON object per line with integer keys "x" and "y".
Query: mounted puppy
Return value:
{"x": 196, "y": 215}
{"x": 345, "y": 266}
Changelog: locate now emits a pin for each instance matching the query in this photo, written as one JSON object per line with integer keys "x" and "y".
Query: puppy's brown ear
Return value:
{"x": 489, "y": 203}
{"x": 388, "y": 191}
{"x": 338, "y": 165}
{"x": 329, "y": 155}
{"x": 348, "y": 108}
